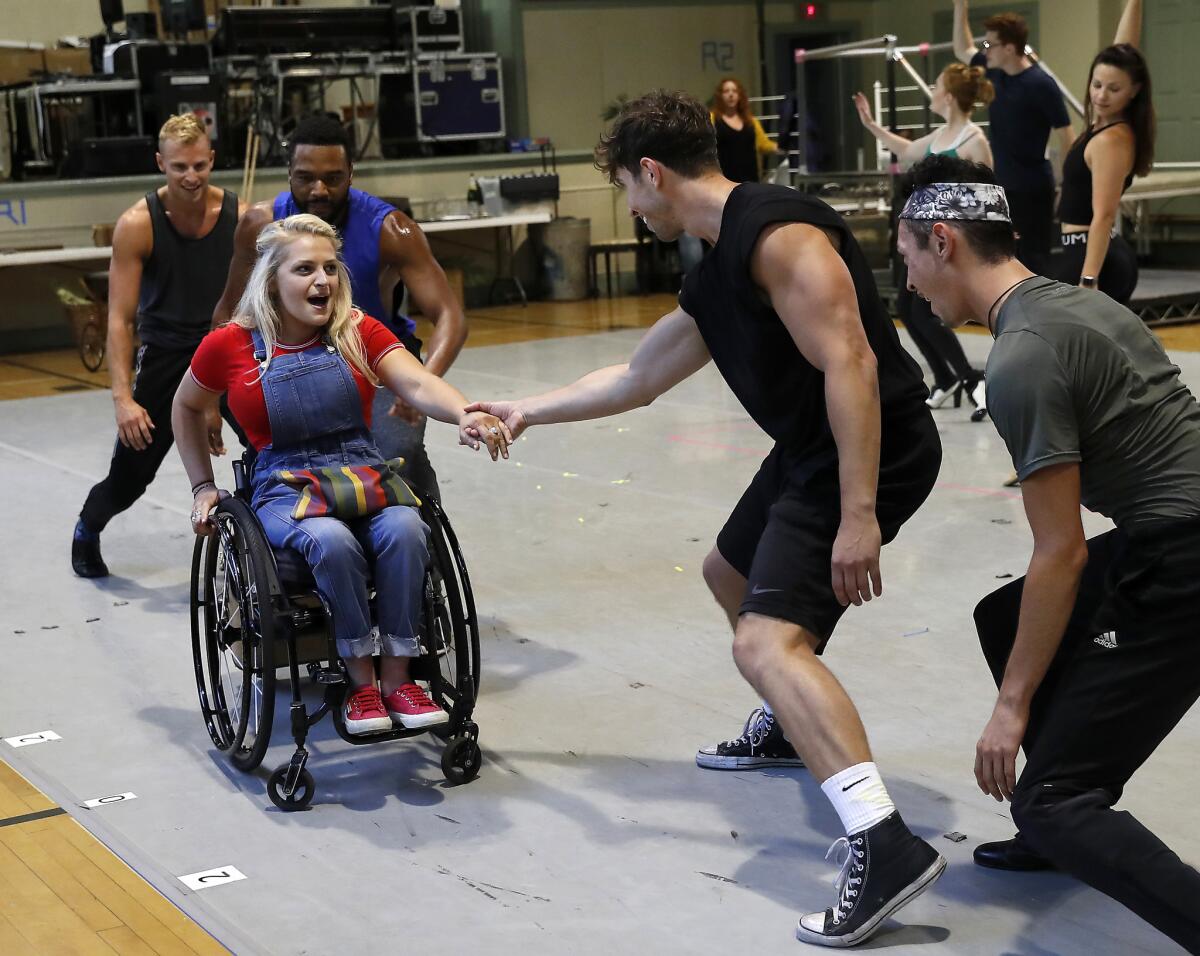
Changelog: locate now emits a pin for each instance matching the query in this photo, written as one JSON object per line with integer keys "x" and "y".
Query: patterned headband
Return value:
{"x": 972, "y": 201}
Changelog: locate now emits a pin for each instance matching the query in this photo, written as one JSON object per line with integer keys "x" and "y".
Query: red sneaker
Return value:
{"x": 365, "y": 713}
{"x": 411, "y": 707}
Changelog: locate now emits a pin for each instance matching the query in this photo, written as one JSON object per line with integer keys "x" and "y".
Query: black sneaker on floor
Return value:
{"x": 85, "y": 557}
{"x": 886, "y": 866}
{"x": 761, "y": 744}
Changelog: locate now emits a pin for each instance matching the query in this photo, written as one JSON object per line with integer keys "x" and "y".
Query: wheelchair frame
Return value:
{"x": 241, "y": 625}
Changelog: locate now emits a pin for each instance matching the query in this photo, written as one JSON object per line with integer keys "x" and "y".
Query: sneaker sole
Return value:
{"x": 867, "y": 930}
{"x": 371, "y": 725}
{"x": 419, "y": 721}
{"x": 716, "y": 762}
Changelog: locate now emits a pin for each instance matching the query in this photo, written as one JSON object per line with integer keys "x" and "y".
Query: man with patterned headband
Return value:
{"x": 1096, "y": 651}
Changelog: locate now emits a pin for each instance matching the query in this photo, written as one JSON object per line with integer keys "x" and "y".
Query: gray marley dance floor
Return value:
{"x": 605, "y": 665}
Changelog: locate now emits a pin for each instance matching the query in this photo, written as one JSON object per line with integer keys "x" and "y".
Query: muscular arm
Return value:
{"x": 1110, "y": 158}
{"x": 133, "y": 241}
{"x": 672, "y": 350}
{"x": 811, "y": 290}
{"x": 964, "y": 43}
{"x": 251, "y": 222}
{"x": 1052, "y": 498}
{"x": 404, "y": 250}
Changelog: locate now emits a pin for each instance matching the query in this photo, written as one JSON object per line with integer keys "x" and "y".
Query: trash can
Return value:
{"x": 565, "y": 245}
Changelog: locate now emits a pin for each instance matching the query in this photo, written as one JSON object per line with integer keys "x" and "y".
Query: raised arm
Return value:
{"x": 964, "y": 42}
{"x": 813, "y": 293}
{"x": 404, "y": 250}
{"x": 1129, "y": 29}
{"x": 250, "y": 224}
{"x": 133, "y": 242}
{"x": 907, "y": 151}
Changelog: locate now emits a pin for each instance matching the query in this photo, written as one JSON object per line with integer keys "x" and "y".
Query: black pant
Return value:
{"x": 156, "y": 376}
{"x": 398, "y": 439}
{"x": 939, "y": 345}
{"x": 1032, "y": 213}
{"x": 1118, "y": 273}
{"x": 1126, "y": 673}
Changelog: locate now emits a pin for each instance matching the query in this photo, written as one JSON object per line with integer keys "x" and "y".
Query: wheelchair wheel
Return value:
{"x": 91, "y": 346}
{"x": 233, "y": 634}
{"x": 299, "y": 798}
{"x": 461, "y": 760}
{"x": 450, "y": 656}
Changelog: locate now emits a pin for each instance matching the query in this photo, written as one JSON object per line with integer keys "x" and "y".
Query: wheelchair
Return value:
{"x": 255, "y": 609}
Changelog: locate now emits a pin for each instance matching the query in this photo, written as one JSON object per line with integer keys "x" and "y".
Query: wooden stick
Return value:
{"x": 246, "y": 161}
{"x": 253, "y": 169}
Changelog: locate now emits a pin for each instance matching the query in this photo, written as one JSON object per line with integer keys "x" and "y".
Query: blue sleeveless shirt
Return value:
{"x": 360, "y": 231}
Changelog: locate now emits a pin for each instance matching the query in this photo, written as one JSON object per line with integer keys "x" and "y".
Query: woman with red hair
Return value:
{"x": 740, "y": 136}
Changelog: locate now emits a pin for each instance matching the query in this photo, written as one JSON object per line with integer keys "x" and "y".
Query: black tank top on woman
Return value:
{"x": 737, "y": 151}
{"x": 1075, "y": 204}
{"x": 753, "y": 349}
{"x": 183, "y": 279}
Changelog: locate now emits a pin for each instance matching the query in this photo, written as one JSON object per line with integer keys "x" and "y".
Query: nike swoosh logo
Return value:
{"x": 757, "y": 590}
{"x": 855, "y": 784}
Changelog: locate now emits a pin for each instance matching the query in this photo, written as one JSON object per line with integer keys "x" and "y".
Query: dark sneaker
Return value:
{"x": 886, "y": 866}
{"x": 85, "y": 554}
{"x": 761, "y": 744}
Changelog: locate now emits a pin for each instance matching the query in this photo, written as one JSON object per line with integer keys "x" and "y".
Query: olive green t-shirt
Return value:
{"x": 1074, "y": 376}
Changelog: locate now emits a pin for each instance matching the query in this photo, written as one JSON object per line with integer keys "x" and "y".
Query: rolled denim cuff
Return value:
{"x": 365, "y": 646}
{"x": 393, "y": 645}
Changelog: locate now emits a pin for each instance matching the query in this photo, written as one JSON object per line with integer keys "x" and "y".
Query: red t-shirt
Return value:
{"x": 224, "y": 362}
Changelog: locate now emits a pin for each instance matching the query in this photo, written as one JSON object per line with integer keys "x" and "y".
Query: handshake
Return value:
{"x": 496, "y": 424}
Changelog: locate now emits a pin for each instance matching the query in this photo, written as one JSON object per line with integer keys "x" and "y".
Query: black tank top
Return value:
{"x": 183, "y": 279}
{"x": 1075, "y": 204}
{"x": 753, "y": 349}
{"x": 737, "y": 153}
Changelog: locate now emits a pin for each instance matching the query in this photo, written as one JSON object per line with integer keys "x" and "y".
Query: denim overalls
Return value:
{"x": 316, "y": 422}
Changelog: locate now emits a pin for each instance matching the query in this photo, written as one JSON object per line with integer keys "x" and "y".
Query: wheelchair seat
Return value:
{"x": 294, "y": 571}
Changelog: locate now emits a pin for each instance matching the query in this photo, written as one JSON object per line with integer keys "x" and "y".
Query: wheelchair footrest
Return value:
{"x": 326, "y": 675}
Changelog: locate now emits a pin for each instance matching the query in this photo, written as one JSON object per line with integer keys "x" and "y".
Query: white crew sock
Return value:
{"x": 859, "y": 797}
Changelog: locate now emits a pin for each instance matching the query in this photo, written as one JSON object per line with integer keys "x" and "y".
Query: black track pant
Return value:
{"x": 1126, "y": 673}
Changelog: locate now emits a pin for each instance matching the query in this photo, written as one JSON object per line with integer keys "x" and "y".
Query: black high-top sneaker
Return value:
{"x": 886, "y": 866}
{"x": 762, "y": 744}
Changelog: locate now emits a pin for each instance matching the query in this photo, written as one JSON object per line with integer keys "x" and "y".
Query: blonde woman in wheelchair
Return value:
{"x": 299, "y": 366}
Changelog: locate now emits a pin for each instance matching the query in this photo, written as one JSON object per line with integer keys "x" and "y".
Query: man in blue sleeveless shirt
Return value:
{"x": 382, "y": 247}
{"x": 170, "y": 253}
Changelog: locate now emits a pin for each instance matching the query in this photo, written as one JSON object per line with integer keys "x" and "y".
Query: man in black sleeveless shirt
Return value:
{"x": 786, "y": 306}
{"x": 171, "y": 252}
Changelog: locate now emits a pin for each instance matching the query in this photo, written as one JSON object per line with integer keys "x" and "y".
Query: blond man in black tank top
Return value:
{"x": 171, "y": 251}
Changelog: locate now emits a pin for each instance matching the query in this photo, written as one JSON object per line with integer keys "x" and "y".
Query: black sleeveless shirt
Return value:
{"x": 183, "y": 279}
{"x": 752, "y": 347}
{"x": 1075, "y": 204}
{"x": 737, "y": 151}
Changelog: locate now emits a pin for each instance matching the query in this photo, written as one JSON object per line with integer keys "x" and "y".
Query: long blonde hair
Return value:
{"x": 258, "y": 307}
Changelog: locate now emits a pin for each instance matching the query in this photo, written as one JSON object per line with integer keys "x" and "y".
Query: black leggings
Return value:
{"x": 1127, "y": 671}
{"x": 1119, "y": 274}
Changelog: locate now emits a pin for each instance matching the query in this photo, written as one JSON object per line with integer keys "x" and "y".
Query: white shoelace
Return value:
{"x": 758, "y": 725}
{"x": 844, "y": 882}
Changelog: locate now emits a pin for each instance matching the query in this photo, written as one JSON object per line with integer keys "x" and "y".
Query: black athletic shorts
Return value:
{"x": 780, "y": 536}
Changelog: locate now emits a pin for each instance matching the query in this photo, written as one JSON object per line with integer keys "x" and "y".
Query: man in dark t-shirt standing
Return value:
{"x": 1027, "y": 106}
{"x": 786, "y": 306}
{"x": 1096, "y": 651}
{"x": 171, "y": 251}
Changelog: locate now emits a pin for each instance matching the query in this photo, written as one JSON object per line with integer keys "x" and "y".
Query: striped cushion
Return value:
{"x": 348, "y": 491}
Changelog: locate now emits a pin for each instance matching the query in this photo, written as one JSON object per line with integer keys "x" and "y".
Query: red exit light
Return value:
{"x": 810, "y": 11}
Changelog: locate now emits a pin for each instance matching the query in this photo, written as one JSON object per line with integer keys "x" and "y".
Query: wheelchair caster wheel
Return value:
{"x": 300, "y": 798}
{"x": 461, "y": 760}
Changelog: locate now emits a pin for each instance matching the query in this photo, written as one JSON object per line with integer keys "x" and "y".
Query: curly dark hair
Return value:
{"x": 318, "y": 129}
{"x": 672, "y": 128}
{"x": 993, "y": 242}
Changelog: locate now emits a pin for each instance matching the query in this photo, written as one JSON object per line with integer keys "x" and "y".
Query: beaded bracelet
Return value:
{"x": 201, "y": 485}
